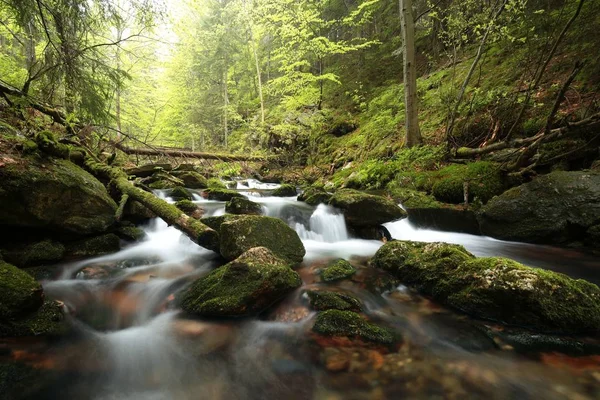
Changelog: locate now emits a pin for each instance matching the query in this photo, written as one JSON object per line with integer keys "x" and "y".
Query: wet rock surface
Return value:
{"x": 364, "y": 210}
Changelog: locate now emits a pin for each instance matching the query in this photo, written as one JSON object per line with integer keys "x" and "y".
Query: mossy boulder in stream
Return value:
{"x": 193, "y": 180}
{"x": 351, "y": 324}
{"x": 557, "y": 208}
{"x": 53, "y": 194}
{"x": 321, "y": 300}
{"x": 245, "y": 232}
{"x": 285, "y": 190}
{"x": 315, "y": 196}
{"x": 25, "y": 255}
{"x": 245, "y": 286}
{"x": 222, "y": 194}
{"x": 95, "y": 246}
{"x": 20, "y": 294}
{"x": 366, "y": 210}
{"x": 494, "y": 288}
{"x": 240, "y": 205}
{"x": 336, "y": 270}
{"x": 180, "y": 193}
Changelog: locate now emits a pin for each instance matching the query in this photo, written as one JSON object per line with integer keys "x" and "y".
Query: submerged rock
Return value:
{"x": 285, "y": 190}
{"x": 245, "y": 232}
{"x": 34, "y": 193}
{"x": 352, "y": 325}
{"x": 336, "y": 270}
{"x": 363, "y": 210}
{"x": 494, "y": 288}
{"x": 557, "y": 208}
{"x": 321, "y": 300}
{"x": 239, "y": 205}
{"x": 246, "y": 286}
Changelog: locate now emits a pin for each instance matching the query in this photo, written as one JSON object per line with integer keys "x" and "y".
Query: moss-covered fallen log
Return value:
{"x": 186, "y": 154}
{"x": 194, "y": 229}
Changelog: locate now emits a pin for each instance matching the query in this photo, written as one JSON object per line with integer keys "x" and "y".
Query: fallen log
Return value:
{"x": 592, "y": 122}
{"x": 192, "y": 228}
{"x": 186, "y": 154}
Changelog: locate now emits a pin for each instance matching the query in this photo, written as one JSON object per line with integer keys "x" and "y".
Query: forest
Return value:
{"x": 240, "y": 199}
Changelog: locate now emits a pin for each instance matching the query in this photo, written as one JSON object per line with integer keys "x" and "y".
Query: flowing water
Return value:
{"x": 132, "y": 342}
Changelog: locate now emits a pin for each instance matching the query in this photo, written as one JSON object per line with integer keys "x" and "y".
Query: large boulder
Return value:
{"x": 245, "y": 232}
{"x": 55, "y": 195}
{"x": 222, "y": 194}
{"x": 314, "y": 196}
{"x": 556, "y": 208}
{"x": 246, "y": 286}
{"x": 366, "y": 210}
{"x": 29, "y": 254}
{"x": 494, "y": 288}
{"x": 285, "y": 190}
{"x": 23, "y": 311}
{"x": 193, "y": 180}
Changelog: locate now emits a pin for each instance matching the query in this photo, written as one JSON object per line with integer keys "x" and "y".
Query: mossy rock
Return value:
{"x": 352, "y": 325}
{"x": 46, "y": 251}
{"x": 146, "y": 170}
{"x": 95, "y": 246}
{"x": 246, "y": 286}
{"x": 193, "y": 180}
{"x": 239, "y": 205}
{"x": 337, "y": 270}
{"x": 494, "y": 288}
{"x": 47, "y": 320}
{"x": 222, "y": 194}
{"x": 415, "y": 199}
{"x": 314, "y": 196}
{"x": 362, "y": 209}
{"x": 485, "y": 180}
{"x": 187, "y": 206}
{"x": 56, "y": 195}
{"x": 20, "y": 294}
{"x": 216, "y": 183}
{"x": 137, "y": 212}
{"x": 321, "y": 300}
{"x": 285, "y": 190}
{"x": 164, "y": 180}
{"x": 242, "y": 234}
{"x": 130, "y": 233}
{"x": 216, "y": 222}
{"x": 180, "y": 193}
{"x": 556, "y": 208}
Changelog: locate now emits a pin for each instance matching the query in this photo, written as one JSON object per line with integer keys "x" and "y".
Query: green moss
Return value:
{"x": 246, "y": 232}
{"x": 485, "y": 180}
{"x": 246, "y": 286}
{"x": 321, "y": 300}
{"x": 216, "y": 222}
{"x": 131, "y": 233}
{"x": 494, "y": 288}
{"x": 315, "y": 196}
{"x": 187, "y": 206}
{"x": 363, "y": 210}
{"x": 20, "y": 294}
{"x": 216, "y": 183}
{"x": 239, "y": 205}
{"x": 285, "y": 190}
{"x": 95, "y": 246}
{"x": 412, "y": 198}
{"x": 193, "y": 180}
{"x": 48, "y": 320}
{"x": 336, "y": 270}
{"x": 348, "y": 323}
{"x": 223, "y": 194}
{"x": 180, "y": 193}
{"x": 36, "y": 253}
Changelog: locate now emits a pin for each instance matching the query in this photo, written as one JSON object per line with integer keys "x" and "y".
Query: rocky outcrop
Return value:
{"x": 54, "y": 195}
{"x": 240, "y": 234}
{"x": 558, "y": 208}
{"x": 494, "y": 288}
{"x": 245, "y": 286}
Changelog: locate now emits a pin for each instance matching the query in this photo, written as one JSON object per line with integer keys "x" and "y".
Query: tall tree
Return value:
{"x": 413, "y": 133}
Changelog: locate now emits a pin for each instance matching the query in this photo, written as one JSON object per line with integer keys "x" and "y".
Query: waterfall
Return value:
{"x": 325, "y": 225}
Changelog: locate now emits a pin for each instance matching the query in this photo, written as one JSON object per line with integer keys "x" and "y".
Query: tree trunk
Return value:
{"x": 413, "y": 134}
{"x": 225, "y": 105}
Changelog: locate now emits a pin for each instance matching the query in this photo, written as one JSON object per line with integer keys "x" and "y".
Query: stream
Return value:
{"x": 131, "y": 341}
